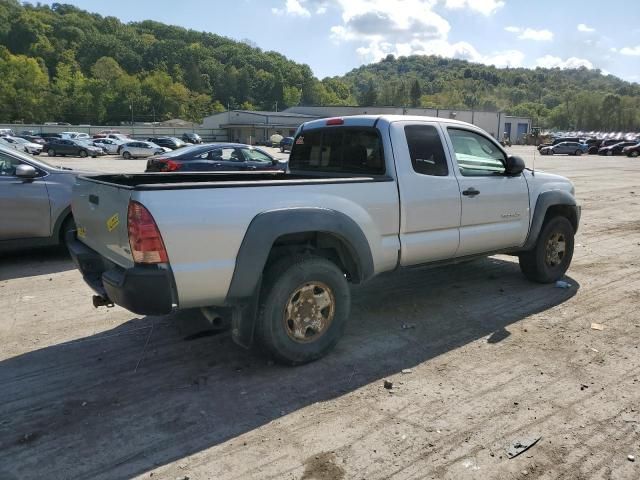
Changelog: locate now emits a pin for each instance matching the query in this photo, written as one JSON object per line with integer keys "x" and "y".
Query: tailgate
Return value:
{"x": 100, "y": 213}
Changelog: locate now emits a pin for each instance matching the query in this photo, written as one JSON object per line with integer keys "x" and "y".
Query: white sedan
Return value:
{"x": 137, "y": 149}
{"x": 109, "y": 144}
{"x": 21, "y": 144}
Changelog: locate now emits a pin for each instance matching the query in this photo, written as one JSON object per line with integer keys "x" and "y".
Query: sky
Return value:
{"x": 335, "y": 36}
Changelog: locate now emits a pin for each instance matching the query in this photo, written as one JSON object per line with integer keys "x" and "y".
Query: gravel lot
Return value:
{"x": 494, "y": 359}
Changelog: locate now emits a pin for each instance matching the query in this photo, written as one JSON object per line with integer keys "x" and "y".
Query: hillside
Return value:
{"x": 580, "y": 98}
{"x": 62, "y": 63}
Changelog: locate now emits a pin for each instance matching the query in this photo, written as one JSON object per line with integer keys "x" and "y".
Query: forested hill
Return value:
{"x": 65, "y": 64}
{"x": 579, "y": 98}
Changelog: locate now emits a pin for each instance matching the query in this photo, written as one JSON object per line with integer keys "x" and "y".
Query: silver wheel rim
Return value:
{"x": 309, "y": 312}
{"x": 556, "y": 249}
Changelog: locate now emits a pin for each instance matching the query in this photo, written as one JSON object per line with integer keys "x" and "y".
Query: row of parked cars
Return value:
{"x": 580, "y": 146}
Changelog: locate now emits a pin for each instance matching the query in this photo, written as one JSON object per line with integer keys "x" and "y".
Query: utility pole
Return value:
{"x": 276, "y": 105}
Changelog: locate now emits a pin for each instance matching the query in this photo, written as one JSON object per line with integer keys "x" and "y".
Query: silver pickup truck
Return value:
{"x": 363, "y": 195}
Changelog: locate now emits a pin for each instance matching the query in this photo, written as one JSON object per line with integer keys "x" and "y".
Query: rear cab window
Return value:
{"x": 351, "y": 150}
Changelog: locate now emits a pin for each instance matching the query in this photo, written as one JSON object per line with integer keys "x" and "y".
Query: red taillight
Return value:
{"x": 335, "y": 121}
{"x": 144, "y": 237}
{"x": 171, "y": 166}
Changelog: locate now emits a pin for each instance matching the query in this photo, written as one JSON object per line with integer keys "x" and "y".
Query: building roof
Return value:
{"x": 273, "y": 114}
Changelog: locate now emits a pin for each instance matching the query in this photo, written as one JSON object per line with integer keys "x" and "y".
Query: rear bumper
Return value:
{"x": 145, "y": 290}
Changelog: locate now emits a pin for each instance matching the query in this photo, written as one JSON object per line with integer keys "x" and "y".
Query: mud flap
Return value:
{"x": 243, "y": 320}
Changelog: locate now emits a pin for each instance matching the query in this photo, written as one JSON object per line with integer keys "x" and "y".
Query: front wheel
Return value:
{"x": 83, "y": 153}
{"x": 578, "y": 153}
{"x": 126, "y": 155}
{"x": 304, "y": 308}
{"x": 633, "y": 154}
{"x": 51, "y": 152}
{"x": 609, "y": 153}
{"x": 549, "y": 260}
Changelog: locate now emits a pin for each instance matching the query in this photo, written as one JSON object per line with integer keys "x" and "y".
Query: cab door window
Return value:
{"x": 476, "y": 155}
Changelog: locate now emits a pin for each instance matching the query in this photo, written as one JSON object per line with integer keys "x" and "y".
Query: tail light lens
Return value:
{"x": 170, "y": 166}
{"x": 144, "y": 237}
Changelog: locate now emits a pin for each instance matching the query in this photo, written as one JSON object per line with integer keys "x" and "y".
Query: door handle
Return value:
{"x": 471, "y": 192}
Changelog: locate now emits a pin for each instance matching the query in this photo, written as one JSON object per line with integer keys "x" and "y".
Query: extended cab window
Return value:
{"x": 339, "y": 149}
{"x": 426, "y": 151}
{"x": 476, "y": 155}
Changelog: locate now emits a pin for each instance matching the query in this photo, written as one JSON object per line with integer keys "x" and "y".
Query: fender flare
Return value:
{"x": 59, "y": 221}
{"x": 545, "y": 201}
{"x": 267, "y": 227}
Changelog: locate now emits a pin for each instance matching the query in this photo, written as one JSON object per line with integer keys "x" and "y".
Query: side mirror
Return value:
{"x": 26, "y": 171}
{"x": 275, "y": 162}
{"x": 515, "y": 166}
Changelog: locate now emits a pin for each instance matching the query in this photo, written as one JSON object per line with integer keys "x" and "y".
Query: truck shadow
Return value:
{"x": 124, "y": 401}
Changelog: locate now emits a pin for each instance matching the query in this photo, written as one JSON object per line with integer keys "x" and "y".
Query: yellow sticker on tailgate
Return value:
{"x": 113, "y": 222}
{"x": 82, "y": 232}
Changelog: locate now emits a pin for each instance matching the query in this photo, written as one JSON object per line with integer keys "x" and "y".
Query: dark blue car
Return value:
{"x": 223, "y": 157}
{"x": 285, "y": 144}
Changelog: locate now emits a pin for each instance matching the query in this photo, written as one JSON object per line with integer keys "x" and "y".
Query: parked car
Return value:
{"x": 76, "y": 148}
{"x": 104, "y": 133}
{"x": 172, "y": 143}
{"x": 47, "y": 136}
{"x": 215, "y": 157}
{"x": 32, "y": 138}
{"x": 6, "y": 132}
{"x": 568, "y": 148}
{"x": 22, "y": 145}
{"x": 365, "y": 195}
{"x": 138, "y": 149}
{"x": 615, "y": 149}
{"x": 109, "y": 145}
{"x": 191, "y": 138}
{"x": 559, "y": 140}
{"x": 285, "y": 144}
{"x": 35, "y": 201}
{"x": 75, "y": 135}
{"x": 632, "y": 150}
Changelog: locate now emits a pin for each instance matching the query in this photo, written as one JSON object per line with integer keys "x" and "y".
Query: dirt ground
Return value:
{"x": 493, "y": 360}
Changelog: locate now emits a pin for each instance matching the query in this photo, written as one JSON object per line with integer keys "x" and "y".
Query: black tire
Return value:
{"x": 609, "y": 153}
{"x": 578, "y": 153}
{"x": 126, "y": 155}
{"x": 83, "y": 153}
{"x": 535, "y": 264}
{"x": 281, "y": 149}
{"x": 51, "y": 152}
{"x": 633, "y": 154}
{"x": 300, "y": 276}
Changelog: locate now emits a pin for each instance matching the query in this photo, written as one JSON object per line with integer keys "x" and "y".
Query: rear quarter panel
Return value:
{"x": 203, "y": 228}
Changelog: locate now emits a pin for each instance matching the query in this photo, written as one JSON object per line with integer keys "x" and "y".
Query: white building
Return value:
{"x": 250, "y": 127}
{"x": 246, "y": 126}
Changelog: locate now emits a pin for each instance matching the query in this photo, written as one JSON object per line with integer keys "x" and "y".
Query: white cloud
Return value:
{"x": 632, "y": 51}
{"x": 585, "y": 28}
{"x": 531, "y": 34}
{"x": 549, "y": 61}
{"x": 485, "y": 7}
{"x": 292, "y": 7}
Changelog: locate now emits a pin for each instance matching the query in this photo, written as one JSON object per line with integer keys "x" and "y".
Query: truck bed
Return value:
{"x": 173, "y": 181}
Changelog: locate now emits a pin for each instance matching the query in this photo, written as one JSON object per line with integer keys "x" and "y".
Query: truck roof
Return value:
{"x": 371, "y": 120}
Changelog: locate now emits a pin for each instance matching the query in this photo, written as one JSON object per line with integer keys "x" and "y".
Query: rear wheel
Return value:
{"x": 578, "y": 153}
{"x": 303, "y": 308}
{"x": 633, "y": 154}
{"x": 126, "y": 155}
{"x": 51, "y": 152}
{"x": 551, "y": 257}
{"x": 609, "y": 153}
